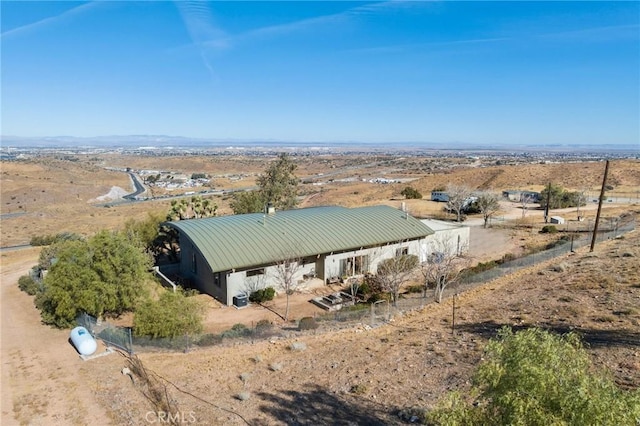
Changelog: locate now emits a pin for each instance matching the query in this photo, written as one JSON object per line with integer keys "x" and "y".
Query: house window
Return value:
{"x": 254, "y": 272}
{"x": 356, "y": 265}
{"x": 194, "y": 263}
{"x": 401, "y": 251}
{"x": 216, "y": 279}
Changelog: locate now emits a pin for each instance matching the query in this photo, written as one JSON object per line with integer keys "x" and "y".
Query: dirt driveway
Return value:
{"x": 39, "y": 365}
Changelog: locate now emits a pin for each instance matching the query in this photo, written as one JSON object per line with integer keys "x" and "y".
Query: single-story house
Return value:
{"x": 228, "y": 256}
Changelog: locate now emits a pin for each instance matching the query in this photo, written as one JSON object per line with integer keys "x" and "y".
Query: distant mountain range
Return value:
{"x": 165, "y": 141}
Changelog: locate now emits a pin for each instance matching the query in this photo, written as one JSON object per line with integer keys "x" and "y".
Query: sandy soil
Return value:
{"x": 39, "y": 366}
{"x": 352, "y": 376}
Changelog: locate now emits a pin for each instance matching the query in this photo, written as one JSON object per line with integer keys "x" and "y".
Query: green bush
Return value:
{"x": 262, "y": 295}
{"x": 172, "y": 315}
{"x": 238, "y": 330}
{"x": 28, "y": 285}
{"x": 534, "y": 377}
{"x": 411, "y": 193}
{"x": 307, "y": 323}
{"x": 549, "y": 229}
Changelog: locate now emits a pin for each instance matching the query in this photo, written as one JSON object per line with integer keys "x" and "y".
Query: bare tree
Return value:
{"x": 393, "y": 272}
{"x": 443, "y": 266}
{"x": 581, "y": 200}
{"x": 488, "y": 204}
{"x": 458, "y": 199}
{"x": 525, "y": 200}
{"x": 285, "y": 273}
{"x": 254, "y": 283}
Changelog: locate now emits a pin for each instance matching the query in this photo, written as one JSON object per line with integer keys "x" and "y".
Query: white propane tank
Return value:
{"x": 83, "y": 341}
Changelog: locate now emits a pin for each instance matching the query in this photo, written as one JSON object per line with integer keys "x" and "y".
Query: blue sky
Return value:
{"x": 396, "y": 71}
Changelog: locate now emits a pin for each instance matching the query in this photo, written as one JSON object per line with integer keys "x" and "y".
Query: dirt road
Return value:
{"x": 44, "y": 381}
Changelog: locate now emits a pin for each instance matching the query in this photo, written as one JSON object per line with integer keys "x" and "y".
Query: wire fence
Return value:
{"x": 360, "y": 315}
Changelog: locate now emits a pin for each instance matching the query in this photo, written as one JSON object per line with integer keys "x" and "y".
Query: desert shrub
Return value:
{"x": 411, "y": 193}
{"x": 358, "y": 389}
{"x": 209, "y": 339}
{"x": 45, "y": 240}
{"x": 549, "y": 229}
{"x": 507, "y": 257}
{"x": 417, "y": 288}
{"x": 28, "y": 285}
{"x": 173, "y": 314}
{"x": 376, "y": 297}
{"x": 307, "y": 323}
{"x": 262, "y": 295}
{"x": 237, "y": 330}
{"x": 481, "y": 267}
{"x": 535, "y": 377}
{"x": 264, "y": 325}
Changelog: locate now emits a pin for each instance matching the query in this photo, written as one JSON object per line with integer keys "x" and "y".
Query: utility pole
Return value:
{"x": 546, "y": 208}
{"x": 595, "y": 226}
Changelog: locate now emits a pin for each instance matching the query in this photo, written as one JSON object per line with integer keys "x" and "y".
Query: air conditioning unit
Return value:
{"x": 240, "y": 301}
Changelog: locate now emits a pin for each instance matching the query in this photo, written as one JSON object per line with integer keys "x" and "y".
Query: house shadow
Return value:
{"x": 590, "y": 337}
{"x": 316, "y": 406}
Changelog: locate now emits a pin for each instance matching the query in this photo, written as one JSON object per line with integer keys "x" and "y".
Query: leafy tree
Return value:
{"x": 411, "y": 193}
{"x": 198, "y": 176}
{"x": 103, "y": 275}
{"x": 559, "y": 198}
{"x": 278, "y": 184}
{"x": 247, "y": 202}
{"x": 145, "y": 232}
{"x": 173, "y": 314}
{"x": 393, "y": 272}
{"x": 488, "y": 205}
{"x": 534, "y": 377}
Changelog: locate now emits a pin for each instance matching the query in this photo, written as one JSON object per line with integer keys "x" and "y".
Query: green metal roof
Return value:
{"x": 242, "y": 241}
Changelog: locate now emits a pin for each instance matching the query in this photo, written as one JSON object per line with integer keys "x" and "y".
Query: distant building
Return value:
{"x": 518, "y": 196}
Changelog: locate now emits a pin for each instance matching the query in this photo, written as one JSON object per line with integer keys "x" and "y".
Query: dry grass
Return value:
{"x": 366, "y": 373}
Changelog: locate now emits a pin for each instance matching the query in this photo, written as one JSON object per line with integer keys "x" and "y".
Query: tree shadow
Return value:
{"x": 591, "y": 337}
{"x": 316, "y": 406}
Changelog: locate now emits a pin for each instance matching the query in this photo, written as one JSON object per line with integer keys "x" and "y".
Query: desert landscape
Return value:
{"x": 333, "y": 375}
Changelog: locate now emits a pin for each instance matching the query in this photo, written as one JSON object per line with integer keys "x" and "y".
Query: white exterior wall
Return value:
{"x": 238, "y": 283}
{"x": 452, "y": 238}
{"x": 325, "y": 267}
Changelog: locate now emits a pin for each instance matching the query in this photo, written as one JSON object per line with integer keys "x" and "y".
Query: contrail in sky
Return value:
{"x": 49, "y": 21}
